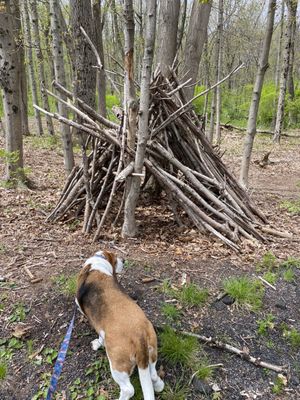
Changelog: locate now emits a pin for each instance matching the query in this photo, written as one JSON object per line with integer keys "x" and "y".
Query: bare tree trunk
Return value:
{"x": 167, "y": 34}
{"x": 130, "y": 104}
{"x": 292, "y": 11}
{"x": 117, "y": 29}
{"x": 28, "y": 44}
{"x": 129, "y": 227}
{"x": 10, "y": 82}
{"x": 101, "y": 79}
{"x": 290, "y": 78}
{"x": 40, "y": 63}
{"x": 219, "y": 70}
{"x": 181, "y": 26}
{"x": 252, "y": 118}
{"x": 196, "y": 37}
{"x": 84, "y": 58}
{"x": 59, "y": 73}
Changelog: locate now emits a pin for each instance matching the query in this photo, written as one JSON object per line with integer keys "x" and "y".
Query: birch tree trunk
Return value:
{"x": 129, "y": 227}
{"x": 168, "y": 18}
{"x": 101, "y": 79}
{"x": 59, "y": 73}
{"x": 292, "y": 11}
{"x": 10, "y": 82}
{"x": 196, "y": 37}
{"x": 219, "y": 69}
{"x": 40, "y": 63}
{"x": 253, "y": 111}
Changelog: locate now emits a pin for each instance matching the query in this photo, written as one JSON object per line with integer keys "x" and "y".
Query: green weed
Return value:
{"x": 8, "y": 348}
{"x": 49, "y": 355}
{"x": 170, "y": 312}
{"x": 2, "y": 248}
{"x": 291, "y": 262}
{"x": 67, "y": 285}
{"x": 268, "y": 262}
{"x": 292, "y": 206}
{"x": 270, "y": 277}
{"x": 279, "y": 384}
{"x": 3, "y": 370}
{"x": 45, "y": 142}
{"x": 294, "y": 338}
{"x": 246, "y": 292}
{"x": 264, "y": 325}
{"x": 289, "y": 275}
{"x": 204, "y": 370}
{"x": 43, "y": 387}
{"x": 192, "y": 295}
{"x": 18, "y": 314}
{"x": 177, "y": 349}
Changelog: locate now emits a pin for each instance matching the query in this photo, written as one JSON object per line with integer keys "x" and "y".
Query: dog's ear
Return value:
{"x": 111, "y": 258}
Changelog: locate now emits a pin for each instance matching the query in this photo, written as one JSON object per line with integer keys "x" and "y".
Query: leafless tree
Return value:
{"x": 292, "y": 11}
{"x": 10, "y": 82}
{"x": 59, "y": 73}
{"x": 129, "y": 227}
{"x": 196, "y": 36}
{"x": 252, "y": 118}
{"x": 167, "y": 28}
{"x": 219, "y": 58}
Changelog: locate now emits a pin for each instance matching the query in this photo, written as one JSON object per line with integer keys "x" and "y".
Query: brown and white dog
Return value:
{"x": 128, "y": 336}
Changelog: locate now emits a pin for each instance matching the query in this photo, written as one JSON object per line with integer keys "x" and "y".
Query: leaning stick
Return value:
{"x": 231, "y": 349}
{"x": 93, "y": 47}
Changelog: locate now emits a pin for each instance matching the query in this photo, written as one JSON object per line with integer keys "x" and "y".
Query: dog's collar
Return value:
{"x": 100, "y": 256}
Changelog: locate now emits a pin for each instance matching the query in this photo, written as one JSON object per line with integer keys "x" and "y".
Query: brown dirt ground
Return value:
{"x": 162, "y": 251}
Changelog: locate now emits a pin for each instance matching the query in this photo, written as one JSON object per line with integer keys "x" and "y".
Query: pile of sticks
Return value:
{"x": 179, "y": 157}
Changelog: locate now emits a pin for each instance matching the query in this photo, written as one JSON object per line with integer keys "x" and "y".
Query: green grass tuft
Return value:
{"x": 291, "y": 262}
{"x": 177, "y": 392}
{"x": 3, "y": 370}
{"x": 292, "y": 206}
{"x": 177, "y": 349}
{"x": 264, "y": 325}
{"x": 192, "y": 295}
{"x": 204, "y": 370}
{"x": 67, "y": 285}
{"x": 170, "y": 312}
{"x": 270, "y": 277}
{"x": 294, "y": 338}
{"x": 246, "y": 292}
{"x": 289, "y": 275}
{"x": 268, "y": 262}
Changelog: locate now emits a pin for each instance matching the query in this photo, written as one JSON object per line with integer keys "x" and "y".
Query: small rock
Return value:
{"x": 281, "y": 305}
{"x": 201, "y": 386}
{"x": 228, "y": 300}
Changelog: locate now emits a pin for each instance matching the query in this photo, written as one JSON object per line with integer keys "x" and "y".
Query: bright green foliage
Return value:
{"x": 246, "y": 291}
{"x": 177, "y": 349}
{"x": 292, "y": 206}
{"x": 270, "y": 277}
{"x": 50, "y": 355}
{"x": 199, "y": 103}
{"x": 278, "y": 385}
{"x": 3, "y": 370}
{"x": 18, "y": 314}
{"x": 170, "y": 312}
{"x": 9, "y": 156}
{"x": 264, "y": 325}
{"x": 204, "y": 369}
{"x": 294, "y": 338}
{"x": 289, "y": 275}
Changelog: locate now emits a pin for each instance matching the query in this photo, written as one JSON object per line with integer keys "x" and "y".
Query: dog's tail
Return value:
{"x": 146, "y": 383}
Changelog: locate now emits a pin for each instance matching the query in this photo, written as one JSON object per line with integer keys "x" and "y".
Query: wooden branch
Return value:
{"x": 241, "y": 353}
{"x": 93, "y": 47}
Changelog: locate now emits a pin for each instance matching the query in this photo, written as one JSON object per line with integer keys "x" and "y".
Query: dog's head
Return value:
{"x": 116, "y": 262}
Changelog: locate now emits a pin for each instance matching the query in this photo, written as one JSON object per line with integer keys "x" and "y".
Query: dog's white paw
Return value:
{"x": 158, "y": 385}
{"x": 96, "y": 344}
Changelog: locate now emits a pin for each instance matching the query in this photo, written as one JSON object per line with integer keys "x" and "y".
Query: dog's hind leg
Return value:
{"x": 158, "y": 384}
{"x": 126, "y": 388}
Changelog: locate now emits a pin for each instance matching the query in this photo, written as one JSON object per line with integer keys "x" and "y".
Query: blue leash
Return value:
{"x": 60, "y": 359}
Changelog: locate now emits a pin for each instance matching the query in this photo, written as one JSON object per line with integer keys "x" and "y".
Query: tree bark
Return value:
{"x": 129, "y": 227}
{"x": 59, "y": 73}
{"x": 253, "y": 111}
{"x": 292, "y": 11}
{"x": 167, "y": 34}
{"x": 196, "y": 37}
{"x": 10, "y": 82}
{"x": 181, "y": 26}
{"x": 101, "y": 79}
{"x": 32, "y": 79}
{"x": 40, "y": 63}
{"x": 219, "y": 69}
{"x": 84, "y": 58}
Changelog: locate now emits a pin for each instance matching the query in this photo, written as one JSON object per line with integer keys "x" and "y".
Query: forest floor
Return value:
{"x": 34, "y": 316}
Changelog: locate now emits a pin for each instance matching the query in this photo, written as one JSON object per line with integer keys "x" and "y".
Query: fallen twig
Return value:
{"x": 242, "y": 353}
